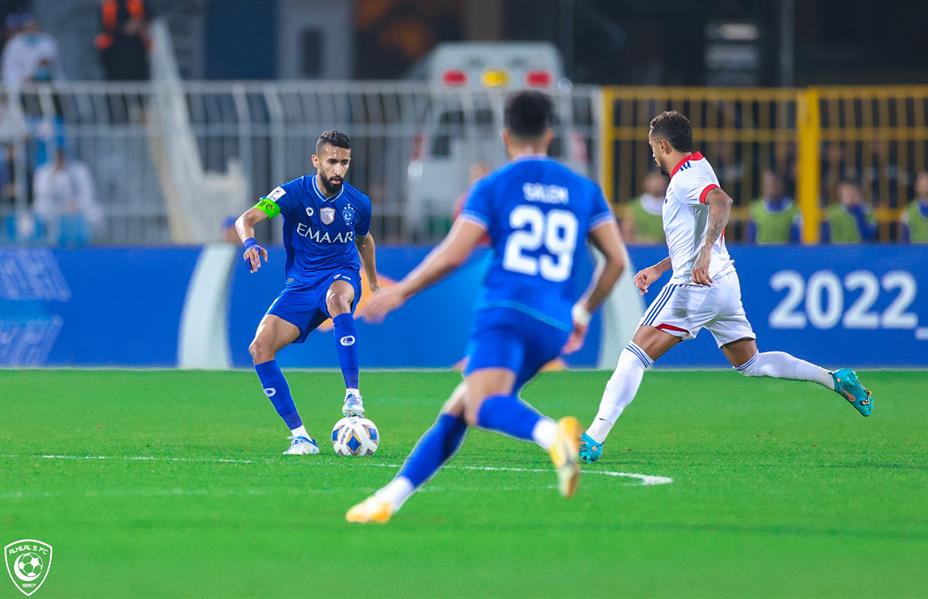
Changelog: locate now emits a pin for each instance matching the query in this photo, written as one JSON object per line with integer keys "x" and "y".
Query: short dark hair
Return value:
{"x": 335, "y": 138}
{"x": 675, "y": 128}
{"x": 528, "y": 113}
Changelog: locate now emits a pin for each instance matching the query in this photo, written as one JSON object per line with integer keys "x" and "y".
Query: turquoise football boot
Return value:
{"x": 590, "y": 450}
{"x": 848, "y": 387}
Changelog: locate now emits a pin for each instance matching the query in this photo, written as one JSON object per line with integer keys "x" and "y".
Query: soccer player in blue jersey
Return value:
{"x": 537, "y": 214}
{"x": 326, "y": 226}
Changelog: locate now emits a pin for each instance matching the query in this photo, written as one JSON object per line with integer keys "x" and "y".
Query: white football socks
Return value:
{"x": 781, "y": 365}
{"x": 300, "y": 432}
{"x": 620, "y": 390}
{"x": 396, "y": 492}
{"x": 544, "y": 433}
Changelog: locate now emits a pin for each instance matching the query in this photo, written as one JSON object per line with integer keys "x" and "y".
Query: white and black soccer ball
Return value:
{"x": 355, "y": 436}
{"x": 28, "y": 566}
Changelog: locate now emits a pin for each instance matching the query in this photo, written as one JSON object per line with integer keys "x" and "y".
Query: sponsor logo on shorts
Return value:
{"x": 347, "y": 340}
{"x": 270, "y": 391}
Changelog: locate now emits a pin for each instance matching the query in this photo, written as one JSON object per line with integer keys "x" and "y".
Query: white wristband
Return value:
{"x": 580, "y": 315}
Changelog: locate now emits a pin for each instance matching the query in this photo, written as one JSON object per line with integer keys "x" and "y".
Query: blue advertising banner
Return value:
{"x": 860, "y": 306}
{"x": 100, "y": 307}
{"x": 430, "y": 331}
{"x": 856, "y": 306}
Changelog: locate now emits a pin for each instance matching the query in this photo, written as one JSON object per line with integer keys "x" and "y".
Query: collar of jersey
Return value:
{"x": 531, "y": 157}
{"x": 693, "y": 156}
{"x": 322, "y": 197}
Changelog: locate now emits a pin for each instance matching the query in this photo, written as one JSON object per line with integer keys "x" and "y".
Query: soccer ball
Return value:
{"x": 355, "y": 436}
{"x": 28, "y": 566}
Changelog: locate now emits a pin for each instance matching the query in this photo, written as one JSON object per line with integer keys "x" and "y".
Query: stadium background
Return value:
{"x": 174, "y": 158}
{"x": 134, "y": 436}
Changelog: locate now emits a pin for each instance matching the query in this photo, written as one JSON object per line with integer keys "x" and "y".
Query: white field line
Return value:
{"x": 644, "y": 480}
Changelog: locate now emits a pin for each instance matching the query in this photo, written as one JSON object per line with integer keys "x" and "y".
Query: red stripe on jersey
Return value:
{"x": 705, "y": 192}
{"x": 693, "y": 156}
{"x": 669, "y": 327}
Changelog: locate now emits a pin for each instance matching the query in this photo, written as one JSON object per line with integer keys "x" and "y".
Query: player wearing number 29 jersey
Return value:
{"x": 538, "y": 215}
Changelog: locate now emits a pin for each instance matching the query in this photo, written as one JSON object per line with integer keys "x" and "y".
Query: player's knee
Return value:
{"x": 472, "y": 403}
{"x": 455, "y": 403}
{"x": 260, "y": 351}
{"x": 338, "y": 304}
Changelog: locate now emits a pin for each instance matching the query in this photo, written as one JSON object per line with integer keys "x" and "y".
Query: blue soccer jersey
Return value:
{"x": 319, "y": 232}
{"x": 538, "y": 214}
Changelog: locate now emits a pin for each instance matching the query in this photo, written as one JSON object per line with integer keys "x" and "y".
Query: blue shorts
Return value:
{"x": 510, "y": 339}
{"x": 304, "y": 306}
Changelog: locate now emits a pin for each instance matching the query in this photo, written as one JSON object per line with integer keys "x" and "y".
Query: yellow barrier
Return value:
{"x": 813, "y": 137}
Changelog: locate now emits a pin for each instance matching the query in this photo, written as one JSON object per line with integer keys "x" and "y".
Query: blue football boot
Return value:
{"x": 590, "y": 450}
{"x": 848, "y": 387}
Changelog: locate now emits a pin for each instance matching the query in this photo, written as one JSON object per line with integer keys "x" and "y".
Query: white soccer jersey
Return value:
{"x": 685, "y": 215}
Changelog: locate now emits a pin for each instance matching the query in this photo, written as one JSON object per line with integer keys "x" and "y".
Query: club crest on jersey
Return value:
{"x": 348, "y": 214}
{"x": 327, "y": 215}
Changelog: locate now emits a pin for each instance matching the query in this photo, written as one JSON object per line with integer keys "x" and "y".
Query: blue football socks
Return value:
{"x": 435, "y": 448}
{"x": 508, "y": 414}
{"x": 278, "y": 391}
{"x": 346, "y": 348}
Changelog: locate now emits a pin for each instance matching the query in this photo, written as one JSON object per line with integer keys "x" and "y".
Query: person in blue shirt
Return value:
{"x": 538, "y": 214}
{"x": 326, "y": 227}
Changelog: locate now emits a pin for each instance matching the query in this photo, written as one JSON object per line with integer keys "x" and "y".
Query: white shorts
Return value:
{"x": 682, "y": 309}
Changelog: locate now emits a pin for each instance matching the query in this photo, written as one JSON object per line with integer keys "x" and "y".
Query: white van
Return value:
{"x": 470, "y": 82}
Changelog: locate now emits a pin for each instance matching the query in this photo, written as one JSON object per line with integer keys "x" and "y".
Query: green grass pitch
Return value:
{"x": 176, "y": 488}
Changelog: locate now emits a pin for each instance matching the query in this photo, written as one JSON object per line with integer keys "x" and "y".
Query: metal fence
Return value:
{"x": 171, "y": 160}
{"x": 877, "y": 136}
{"x": 154, "y": 149}
{"x": 812, "y": 137}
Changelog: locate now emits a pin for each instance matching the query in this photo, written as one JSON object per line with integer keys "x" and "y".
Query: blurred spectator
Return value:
{"x": 124, "y": 42}
{"x": 31, "y": 56}
{"x": 11, "y": 15}
{"x": 915, "y": 217}
{"x": 849, "y": 220}
{"x": 65, "y": 200}
{"x": 774, "y": 216}
{"x": 641, "y": 219}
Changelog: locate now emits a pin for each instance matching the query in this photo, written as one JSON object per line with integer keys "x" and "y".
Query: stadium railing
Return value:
{"x": 813, "y": 137}
{"x": 876, "y": 135}
{"x": 173, "y": 159}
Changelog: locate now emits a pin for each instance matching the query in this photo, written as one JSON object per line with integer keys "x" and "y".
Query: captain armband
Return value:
{"x": 268, "y": 206}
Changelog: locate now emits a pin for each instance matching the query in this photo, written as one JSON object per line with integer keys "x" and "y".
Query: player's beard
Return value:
{"x": 330, "y": 187}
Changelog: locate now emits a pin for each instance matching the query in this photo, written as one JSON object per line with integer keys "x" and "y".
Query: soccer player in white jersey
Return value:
{"x": 703, "y": 291}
